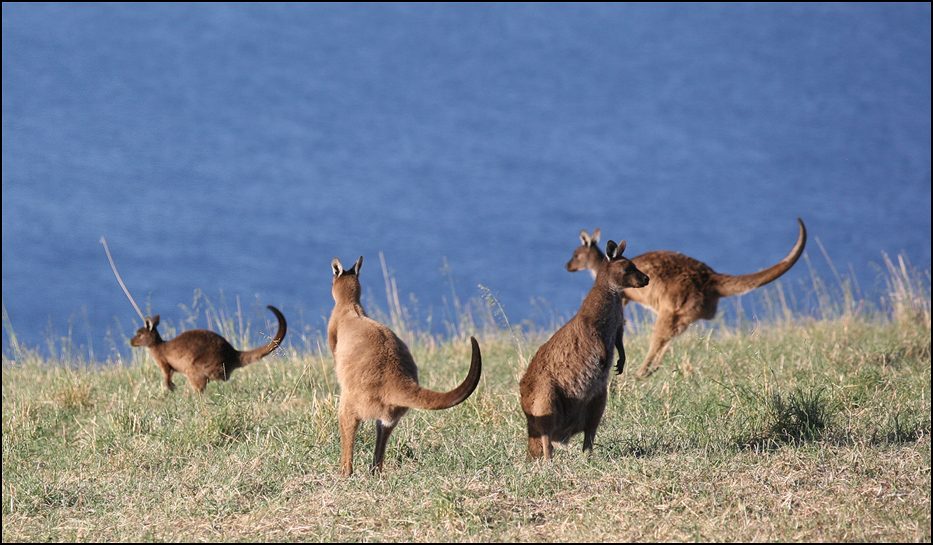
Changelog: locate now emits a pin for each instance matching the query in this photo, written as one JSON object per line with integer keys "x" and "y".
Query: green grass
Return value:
{"x": 782, "y": 428}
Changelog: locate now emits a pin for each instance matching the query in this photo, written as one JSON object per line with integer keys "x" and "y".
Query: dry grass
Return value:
{"x": 786, "y": 429}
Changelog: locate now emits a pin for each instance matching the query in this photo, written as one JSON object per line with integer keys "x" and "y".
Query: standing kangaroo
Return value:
{"x": 200, "y": 354}
{"x": 564, "y": 388}
{"x": 377, "y": 375}
{"x": 682, "y": 291}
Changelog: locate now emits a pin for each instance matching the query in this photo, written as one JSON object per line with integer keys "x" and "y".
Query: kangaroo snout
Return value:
{"x": 641, "y": 280}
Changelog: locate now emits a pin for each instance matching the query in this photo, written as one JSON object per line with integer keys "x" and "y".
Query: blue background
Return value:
{"x": 238, "y": 148}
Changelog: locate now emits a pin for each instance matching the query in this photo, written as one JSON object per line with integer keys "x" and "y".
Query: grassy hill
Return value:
{"x": 786, "y": 428}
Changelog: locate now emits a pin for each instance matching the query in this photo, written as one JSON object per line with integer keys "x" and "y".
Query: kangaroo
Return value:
{"x": 200, "y": 354}
{"x": 563, "y": 391}
{"x": 682, "y": 291}
{"x": 377, "y": 374}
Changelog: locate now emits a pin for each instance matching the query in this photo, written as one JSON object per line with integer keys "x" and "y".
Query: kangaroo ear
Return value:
{"x": 357, "y": 266}
{"x": 588, "y": 240}
{"x": 338, "y": 268}
{"x": 614, "y": 251}
{"x": 151, "y": 323}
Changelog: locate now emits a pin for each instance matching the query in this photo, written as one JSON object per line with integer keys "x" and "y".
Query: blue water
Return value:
{"x": 237, "y": 148}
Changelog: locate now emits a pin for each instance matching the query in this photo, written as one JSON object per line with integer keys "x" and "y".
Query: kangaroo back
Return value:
{"x": 416, "y": 397}
{"x": 256, "y": 354}
{"x": 370, "y": 357}
{"x": 727, "y": 285}
{"x": 377, "y": 374}
{"x": 564, "y": 389}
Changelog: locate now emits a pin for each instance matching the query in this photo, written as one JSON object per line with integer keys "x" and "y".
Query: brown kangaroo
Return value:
{"x": 199, "y": 354}
{"x": 564, "y": 388}
{"x": 377, "y": 374}
{"x": 682, "y": 291}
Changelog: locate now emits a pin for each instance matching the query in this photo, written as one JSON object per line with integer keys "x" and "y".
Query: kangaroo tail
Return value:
{"x": 422, "y": 398}
{"x": 727, "y": 285}
{"x": 256, "y": 354}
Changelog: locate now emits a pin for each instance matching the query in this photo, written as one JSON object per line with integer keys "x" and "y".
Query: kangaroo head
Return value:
{"x": 147, "y": 335}
{"x": 588, "y": 256}
{"x": 622, "y": 273}
{"x": 346, "y": 287}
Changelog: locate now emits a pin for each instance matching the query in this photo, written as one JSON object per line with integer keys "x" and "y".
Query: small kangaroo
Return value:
{"x": 377, "y": 374}
{"x": 199, "y": 354}
{"x": 682, "y": 291}
{"x": 563, "y": 391}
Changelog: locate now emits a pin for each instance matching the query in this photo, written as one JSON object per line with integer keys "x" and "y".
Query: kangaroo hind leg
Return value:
{"x": 382, "y": 439}
{"x": 667, "y": 326}
{"x": 594, "y": 415}
{"x": 539, "y": 437}
{"x": 349, "y": 423}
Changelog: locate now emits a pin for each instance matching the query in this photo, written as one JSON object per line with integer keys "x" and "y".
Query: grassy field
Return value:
{"x": 783, "y": 428}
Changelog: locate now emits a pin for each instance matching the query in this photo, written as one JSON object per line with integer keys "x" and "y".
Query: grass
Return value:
{"x": 784, "y": 428}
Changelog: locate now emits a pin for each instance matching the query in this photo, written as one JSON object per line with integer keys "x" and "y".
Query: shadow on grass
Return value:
{"x": 801, "y": 416}
{"x": 807, "y": 416}
{"x": 771, "y": 421}
{"x": 899, "y": 430}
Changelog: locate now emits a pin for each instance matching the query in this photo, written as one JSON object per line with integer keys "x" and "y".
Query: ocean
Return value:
{"x": 231, "y": 151}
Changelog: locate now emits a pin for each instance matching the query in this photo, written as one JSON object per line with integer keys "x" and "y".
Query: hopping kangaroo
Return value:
{"x": 564, "y": 388}
{"x": 377, "y": 375}
{"x": 682, "y": 290}
{"x": 199, "y": 354}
